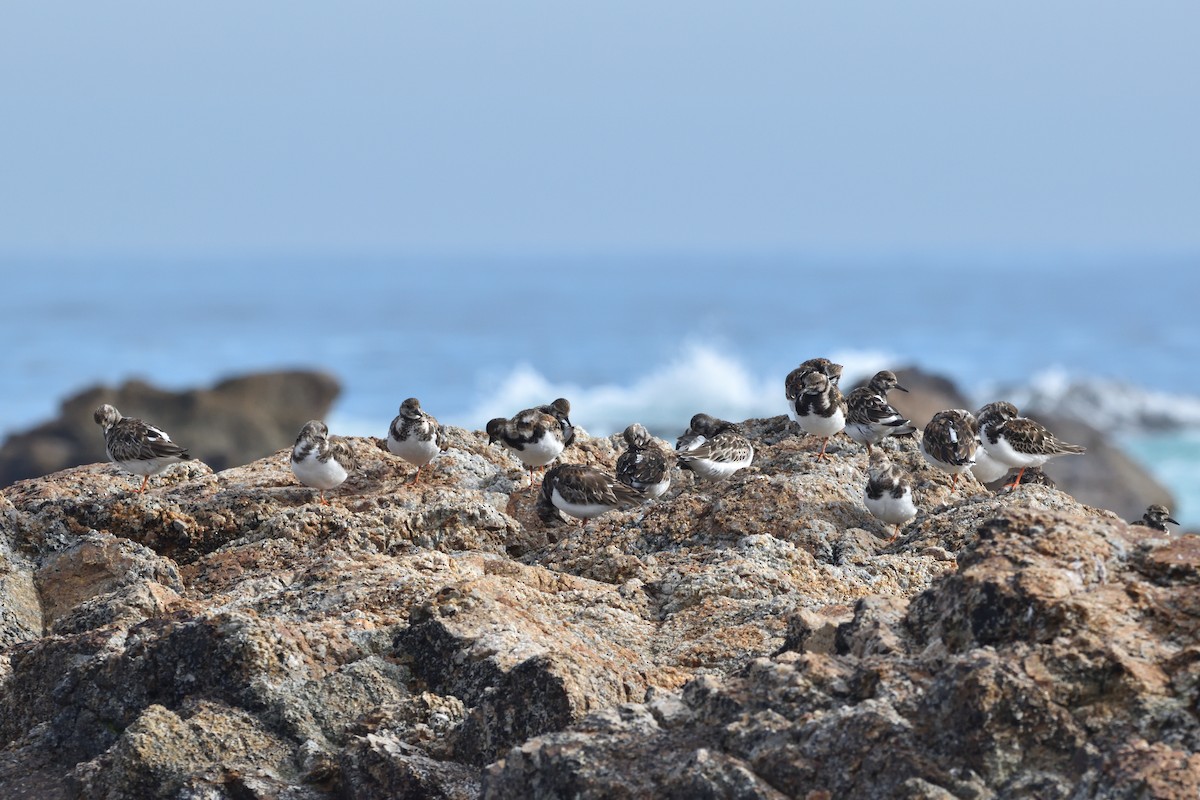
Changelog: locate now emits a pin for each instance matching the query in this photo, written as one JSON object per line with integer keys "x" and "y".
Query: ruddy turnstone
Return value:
{"x": 820, "y": 409}
{"x": 644, "y": 465}
{"x": 870, "y": 418}
{"x": 713, "y": 448}
{"x": 1019, "y": 442}
{"x": 560, "y": 409}
{"x": 533, "y": 436}
{"x": 888, "y": 495}
{"x": 584, "y": 492}
{"x": 320, "y": 460}
{"x": 1156, "y": 517}
{"x": 793, "y": 384}
{"x": 415, "y": 436}
{"x": 949, "y": 442}
{"x": 139, "y": 448}
{"x": 987, "y": 469}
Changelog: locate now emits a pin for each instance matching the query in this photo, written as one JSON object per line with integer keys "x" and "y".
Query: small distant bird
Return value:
{"x": 1156, "y": 517}
{"x": 415, "y": 436}
{"x": 888, "y": 495}
{"x": 820, "y": 409}
{"x": 320, "y": 460}
{"x": 139, "y": 448}
{"x": 535, "y": 437}
{"x": 713, "y": 448}
{"x": 644, "y": 466}
{"x": 1019, "y": 442}
{"x": 870, "y": 418}
{"x": 583, "y": 492}
{"x": 560, "y": 409}
{"x": 949, "y": 442}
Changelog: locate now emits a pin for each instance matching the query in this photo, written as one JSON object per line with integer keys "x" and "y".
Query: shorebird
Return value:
{"x": 583, "y": 492}
{"x": 713, "y": 448}
{"x": 820, "y": 409}
{"x": 1019, "y": 442}
{"x": 136, "y": 446}
{"x": 415, "y": 436}
{"x": 320, "y": 460}
{"x": 888, "y": 495}
{"x": 644, "y": 466}
{"x": 535, "y": 437}
{"x": 1156, "y": 517}
{"x": 870, "y": 418}
{"x": 949, "y": 442}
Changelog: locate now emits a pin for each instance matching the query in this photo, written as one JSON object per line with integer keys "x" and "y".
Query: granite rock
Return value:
{"x": 225, "y": 636}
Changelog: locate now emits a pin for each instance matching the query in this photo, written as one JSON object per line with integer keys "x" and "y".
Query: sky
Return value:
{"x": 151, "y": 128}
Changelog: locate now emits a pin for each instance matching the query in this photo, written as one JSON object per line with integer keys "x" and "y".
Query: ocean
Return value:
{"x": 626, "y": 338}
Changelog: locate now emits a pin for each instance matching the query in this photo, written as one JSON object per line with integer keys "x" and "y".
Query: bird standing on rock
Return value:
{"x": 888, "y": 495}
{"x": 139, "y": 448}
{"x": 820, "y": 409}
{"x": 713, "y": 448}
{"x": 643, "y": 466}
{"x": 949, "y": 442}
{"x": 320, "y": 460}
{"x": 415, "y": 436}
{"x": 870, "y": 418}
{"x": 1019, "y": 442}
{"x": 583, "y": 492}
{"x": 534, "y": 436}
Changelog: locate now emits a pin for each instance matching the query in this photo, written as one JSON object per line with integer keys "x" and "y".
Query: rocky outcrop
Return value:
{"x": 225, "y": 636}
{"x": 235, "y": 422}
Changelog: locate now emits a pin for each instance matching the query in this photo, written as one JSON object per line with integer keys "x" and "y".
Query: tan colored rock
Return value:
{"x": 225, "y": 635}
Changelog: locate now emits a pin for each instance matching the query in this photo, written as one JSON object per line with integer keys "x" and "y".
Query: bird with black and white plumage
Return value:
{"x": 949, "y": 442}
{"x": 987, "y": 469}
{"x": 583, "y": 492}
{"x": 793, "y": 384}
{"x": 560, "y": 409}
{"x": 888, "y": 494}
{"x": 1019, "y": 442}
{"x": 136, "y": 446}
{"x": 535, "y": 437}
{"x": 644, "y": 466}
{"x": 321, "y": 461}
{"x": 820, "y": 409}
{"x": 870, "y": 418}
{"x": 713, "y": 448}
{"x": 1156, "y": 517}
{"x": 415, "y": 436}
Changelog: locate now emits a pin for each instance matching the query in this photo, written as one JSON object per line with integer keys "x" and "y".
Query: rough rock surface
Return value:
{"x": 224, "y": 636}
{"x": 235, "y": 422}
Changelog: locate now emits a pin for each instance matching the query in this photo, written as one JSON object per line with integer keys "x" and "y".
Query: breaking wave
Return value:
{"x": 1107, "y": 404}
{"x": 700, "y": 378}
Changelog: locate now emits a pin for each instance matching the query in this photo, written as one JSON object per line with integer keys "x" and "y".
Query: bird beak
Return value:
{"x": 1173, "y": 522}
{"x": 901, "y": 388}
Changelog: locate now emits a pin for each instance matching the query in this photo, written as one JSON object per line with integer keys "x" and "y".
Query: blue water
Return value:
{"x": 647, "y": 338}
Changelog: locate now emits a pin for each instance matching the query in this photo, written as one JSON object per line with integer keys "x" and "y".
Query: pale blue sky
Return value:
{"x": 381, "y": 127}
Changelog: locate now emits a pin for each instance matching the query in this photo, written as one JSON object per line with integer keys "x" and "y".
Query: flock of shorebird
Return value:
{"x": 989, "y": 444}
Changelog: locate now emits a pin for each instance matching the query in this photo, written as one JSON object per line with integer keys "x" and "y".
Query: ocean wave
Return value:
{"x": 1111, "y": 405}
{"x": 701, "y": 377}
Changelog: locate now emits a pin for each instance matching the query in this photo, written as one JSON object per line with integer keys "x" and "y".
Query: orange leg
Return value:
{"x": 145, "y": 480}
{"x": 324, "y": 502}
{"x": 824, "y": 444}
{"x": 1012, "y": 486}
{"x": 953, "y": 481}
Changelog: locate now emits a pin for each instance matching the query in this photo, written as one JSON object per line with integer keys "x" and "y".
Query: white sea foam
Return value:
{"x": 701, "y": 378}
{"x": 1106, "y": 404}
